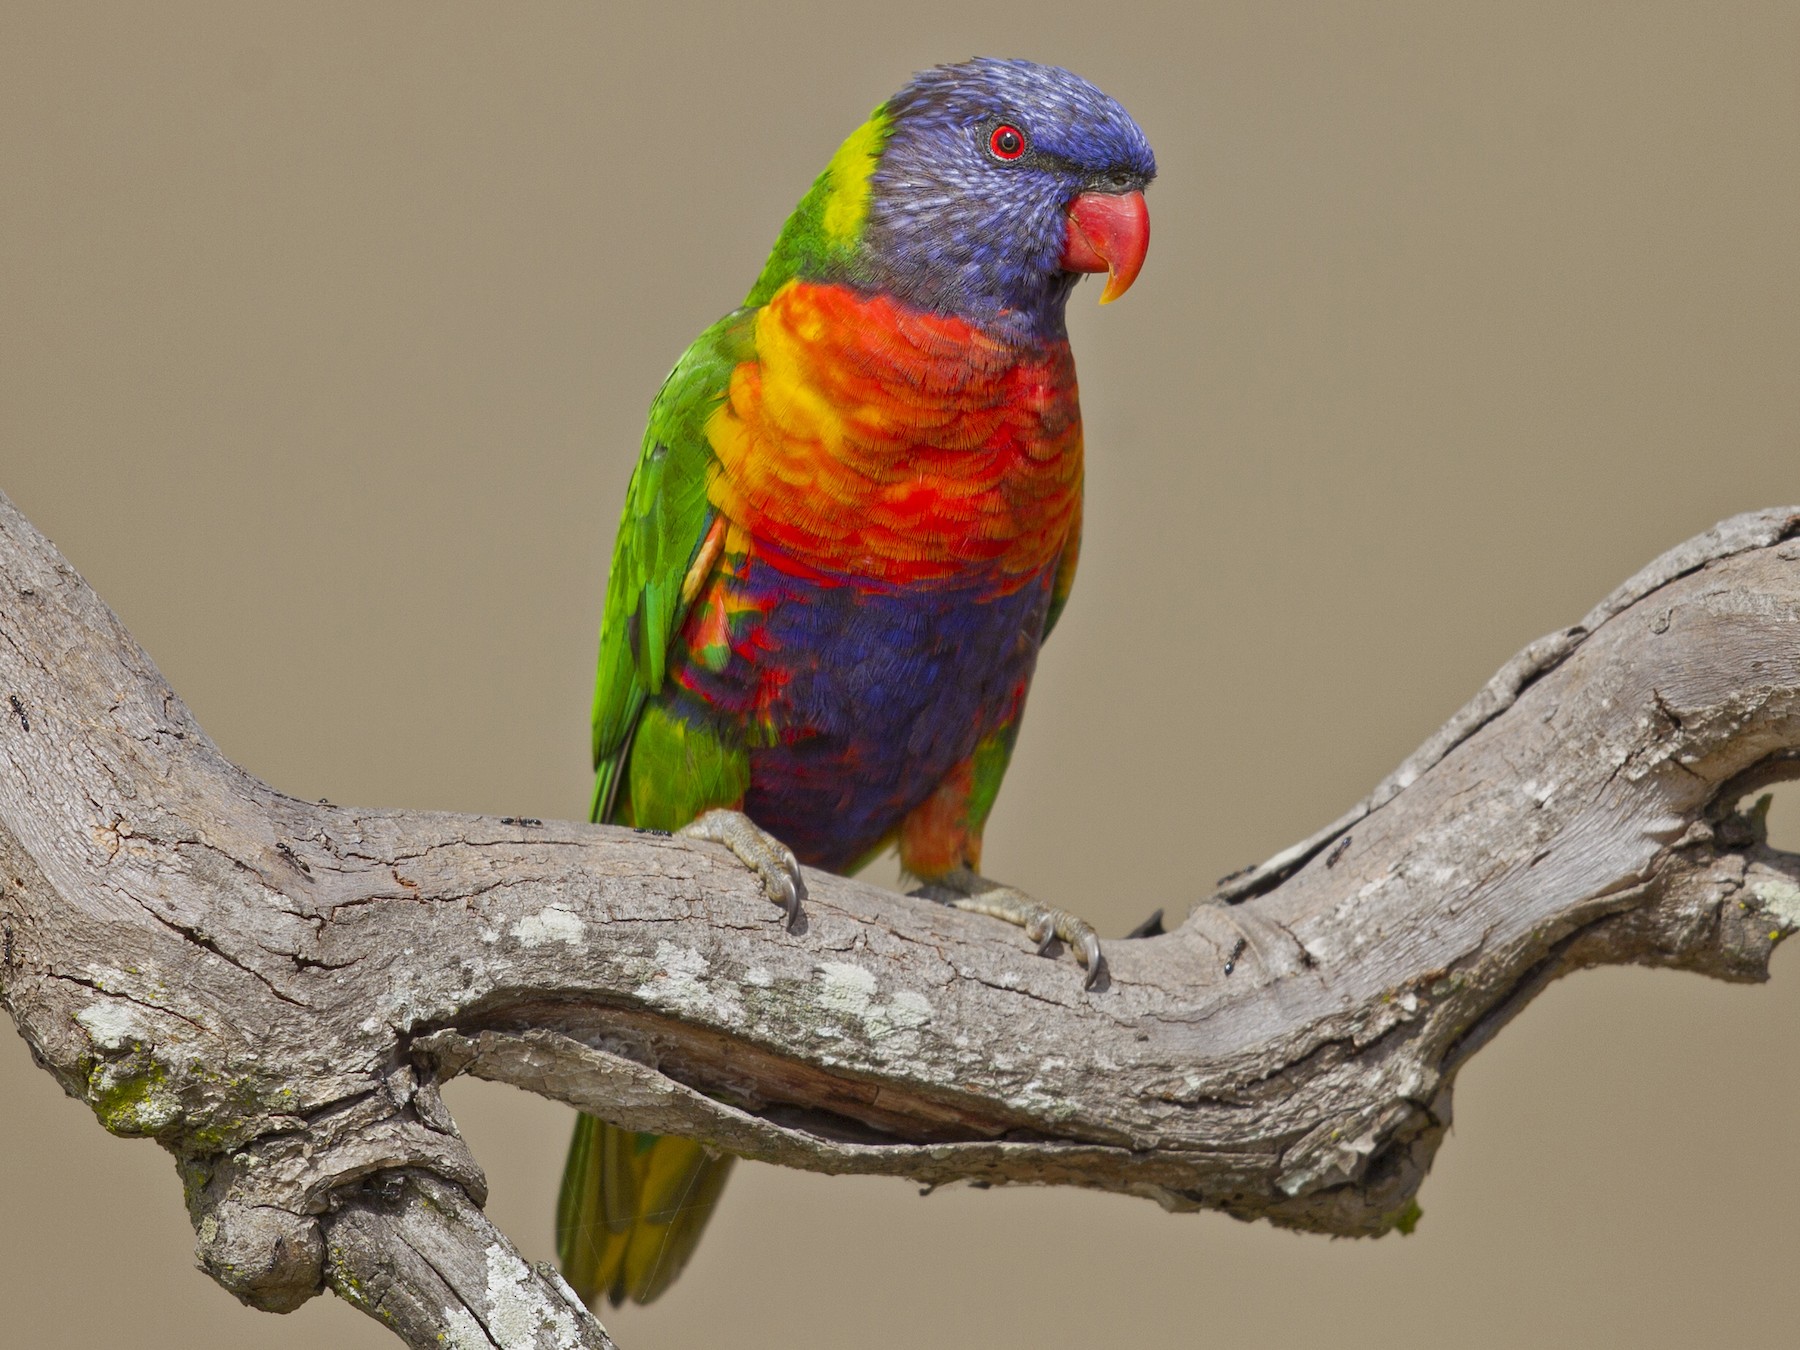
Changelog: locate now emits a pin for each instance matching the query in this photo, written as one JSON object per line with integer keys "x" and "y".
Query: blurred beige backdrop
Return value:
{"x": 327, "y": 334}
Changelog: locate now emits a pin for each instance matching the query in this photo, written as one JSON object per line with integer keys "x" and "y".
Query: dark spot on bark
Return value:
{"x": 1663, "y": 707}
{"x": 292, "y": 857}
{"x": 388, "y": 1187}
{"x": 1150, "y": 927}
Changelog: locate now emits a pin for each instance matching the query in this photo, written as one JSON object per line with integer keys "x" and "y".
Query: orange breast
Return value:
{"x": 875, "y": 442}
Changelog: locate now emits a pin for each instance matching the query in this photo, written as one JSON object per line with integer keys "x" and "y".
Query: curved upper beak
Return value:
{"x": 1108, "y": 232}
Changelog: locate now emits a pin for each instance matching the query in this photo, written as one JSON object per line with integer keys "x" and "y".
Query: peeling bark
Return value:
{"x": 274, "y": 989}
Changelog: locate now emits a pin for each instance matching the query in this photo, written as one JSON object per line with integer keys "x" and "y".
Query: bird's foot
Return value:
{"x": 1043, "y": 924}
{"x": 760, "y": 851}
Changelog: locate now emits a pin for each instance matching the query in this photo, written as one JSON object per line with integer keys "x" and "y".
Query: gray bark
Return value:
{"x": 274, "y": 989}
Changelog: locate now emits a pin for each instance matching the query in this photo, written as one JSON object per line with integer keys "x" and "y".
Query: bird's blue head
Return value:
{"x": 981, "y": 190}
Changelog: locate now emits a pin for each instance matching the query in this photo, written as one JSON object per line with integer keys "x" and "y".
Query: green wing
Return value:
{"x": 663, "y": 526}
{"x": 633, "y": 1206}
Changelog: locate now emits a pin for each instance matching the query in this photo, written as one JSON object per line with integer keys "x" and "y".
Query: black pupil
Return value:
{"x": 1009, "y": 142}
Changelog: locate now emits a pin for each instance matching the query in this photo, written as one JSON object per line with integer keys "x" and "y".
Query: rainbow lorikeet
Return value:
{"x": 853, "y": 522}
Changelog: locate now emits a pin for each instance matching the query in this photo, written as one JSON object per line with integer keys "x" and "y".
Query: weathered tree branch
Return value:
{"x": 274, "y": 989}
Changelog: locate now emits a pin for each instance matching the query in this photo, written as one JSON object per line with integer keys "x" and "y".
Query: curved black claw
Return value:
{"x": 772, "y": 861}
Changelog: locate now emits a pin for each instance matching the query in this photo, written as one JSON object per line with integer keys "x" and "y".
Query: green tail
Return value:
{"x": 632, "y": 1205}
{"x": 632, "y": 1209}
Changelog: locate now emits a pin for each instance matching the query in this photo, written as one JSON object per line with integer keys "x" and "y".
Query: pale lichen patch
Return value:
{"x": 517, "y": 1308}
{"x": 463, "y": 1332}
{"x": 112, "y": 1024}
{"x": 129, "y": 1090}
{"x": 1039, "y": 1093}
{"x": 681, "y": 977}
{"x": 557, "y": 923}
{"x": 412, "y": 998}
{"x": 850, "y": 991}
{"x": 1778, "y": 896}
{"x": 910, "y": 1009}
{"x": 846, "y": 988}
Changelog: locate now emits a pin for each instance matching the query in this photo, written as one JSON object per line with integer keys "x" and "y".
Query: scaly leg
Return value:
{"x": 760, "y": 851}
{"x": 964, "y": 888}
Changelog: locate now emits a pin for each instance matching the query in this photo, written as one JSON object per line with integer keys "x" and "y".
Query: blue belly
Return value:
{"x": 855, "y": 702}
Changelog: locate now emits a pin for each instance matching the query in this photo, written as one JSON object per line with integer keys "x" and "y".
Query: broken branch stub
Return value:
{"x": 274, "y": 989}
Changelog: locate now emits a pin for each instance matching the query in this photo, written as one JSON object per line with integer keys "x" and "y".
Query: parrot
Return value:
{"x": 853, "y": 522}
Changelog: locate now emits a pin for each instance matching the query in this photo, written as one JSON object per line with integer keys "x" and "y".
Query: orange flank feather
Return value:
{"x": 874, "y": 442}
{"x": 704, "y": 557}
{"x": 936, "y": 835}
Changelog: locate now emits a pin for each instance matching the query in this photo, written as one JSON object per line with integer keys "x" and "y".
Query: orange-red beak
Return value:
{"x": 1108, "y": 232}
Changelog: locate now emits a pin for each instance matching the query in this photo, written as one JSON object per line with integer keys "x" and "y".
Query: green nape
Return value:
{"x": 822, "y": 234}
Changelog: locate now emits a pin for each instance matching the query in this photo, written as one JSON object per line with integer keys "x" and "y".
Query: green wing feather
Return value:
{"x": 632, "y": 1206}
{"x": 664, "y": 522}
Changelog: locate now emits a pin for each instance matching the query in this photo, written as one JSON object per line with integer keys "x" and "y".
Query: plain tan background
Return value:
{"x": 327, "y": 335}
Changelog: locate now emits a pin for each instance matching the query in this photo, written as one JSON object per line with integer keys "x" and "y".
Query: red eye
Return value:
{"x": 1006, "y": 142}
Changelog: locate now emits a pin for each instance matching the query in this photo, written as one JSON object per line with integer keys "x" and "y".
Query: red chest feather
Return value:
{"x": 874, "y": 442}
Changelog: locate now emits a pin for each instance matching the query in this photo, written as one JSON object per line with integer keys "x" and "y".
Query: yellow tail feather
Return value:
{"x": 632, "y": 1209}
